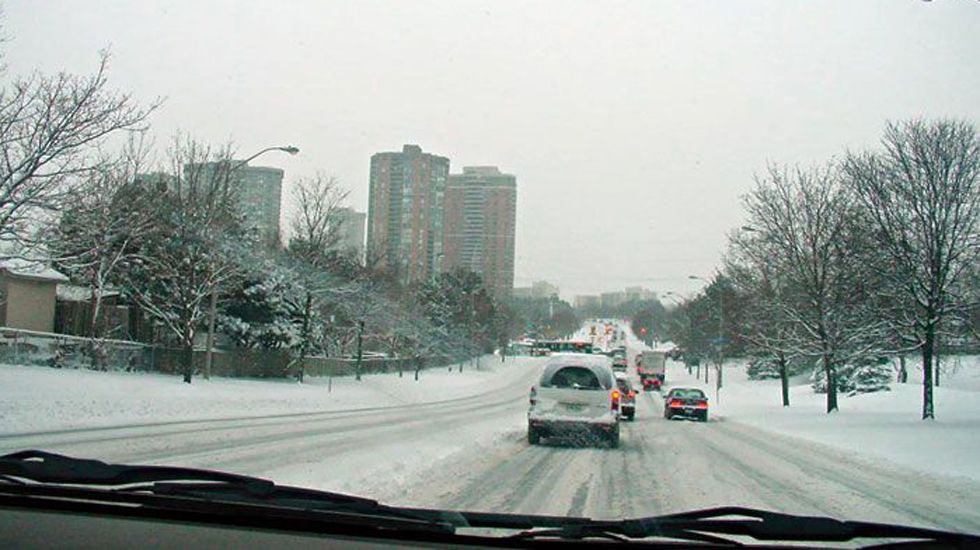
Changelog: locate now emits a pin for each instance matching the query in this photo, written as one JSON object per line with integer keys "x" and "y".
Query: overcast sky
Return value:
{"x": 632, "y": 127}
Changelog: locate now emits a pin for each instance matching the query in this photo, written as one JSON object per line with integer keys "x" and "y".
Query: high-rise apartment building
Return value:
{"x": 480, "y": 224}
{"x": 352, "y": 228}
{"x": 260, "y": 191}
{"x": 406, "y": 203}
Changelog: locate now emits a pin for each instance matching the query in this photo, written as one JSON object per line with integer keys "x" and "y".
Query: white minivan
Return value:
{"x": 576, "y": 395}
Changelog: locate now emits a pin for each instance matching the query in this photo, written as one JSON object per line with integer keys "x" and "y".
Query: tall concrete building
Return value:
{"x": 406, "y": 203}
{"x": 481, "y": 208}
{"x": 352, "y": 230}
{"x": 260, "y": 189}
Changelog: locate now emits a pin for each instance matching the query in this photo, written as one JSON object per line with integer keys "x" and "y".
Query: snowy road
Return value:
{"x": 670, "y": 466}
{"x": 471, "y": 453}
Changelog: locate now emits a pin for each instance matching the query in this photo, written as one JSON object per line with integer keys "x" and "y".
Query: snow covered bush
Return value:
{"x": 762, "y": 369}
{"x": 864, "y": 376}
{"x": 871, "y": 377}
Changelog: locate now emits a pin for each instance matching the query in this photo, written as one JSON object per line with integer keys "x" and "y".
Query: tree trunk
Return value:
{"x": 783, "y": 378}
{"x": 706, "y": 372}
{"x": 927, "y": 351}
{"x": 96, "y": 306}
{"x": 936, "y": 363}
{"x": 187, "y": 359}
{"x": 831, "y": 375}
{"x": 903, "y": 372}
{"x": 95, "y": 350}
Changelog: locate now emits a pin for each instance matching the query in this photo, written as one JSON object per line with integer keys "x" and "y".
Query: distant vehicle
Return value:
{"x": 576, "y": 395}
{"x": 687, "y": 403}
{"x": 547, "y": 347}
{"x": 676, "y": 353}
{"x": 520, "y": 348}
{"x": 652, "y": 368}
{"x": 620, "y": 364}
{"x": 627, "y": 401}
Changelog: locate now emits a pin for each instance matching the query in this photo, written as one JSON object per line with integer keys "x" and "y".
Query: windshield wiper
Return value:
{"x": 45, "y": 467}
{"x": 706, "y": 526}
{"x": 49, "y": 475}
{"x": 60, "y": 476}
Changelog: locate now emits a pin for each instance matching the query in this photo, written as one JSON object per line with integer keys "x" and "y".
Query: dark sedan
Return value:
{"x": 686, "y": 403}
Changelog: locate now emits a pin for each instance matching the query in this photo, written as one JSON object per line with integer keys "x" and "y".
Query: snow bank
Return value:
{"x": 883, "y": 425}
{"x": 34, "y": 399}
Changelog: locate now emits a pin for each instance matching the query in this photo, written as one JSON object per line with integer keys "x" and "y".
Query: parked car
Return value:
{"x": 576, "y": 395}
{"x": 627, "y": 399}
{"x": 687, "y": 403}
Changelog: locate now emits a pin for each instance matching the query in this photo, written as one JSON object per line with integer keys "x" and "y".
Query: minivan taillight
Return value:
{"x": 615, "y": 398}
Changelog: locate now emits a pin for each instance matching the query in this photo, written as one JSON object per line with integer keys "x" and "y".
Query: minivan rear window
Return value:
{"x": 573, "y": 377}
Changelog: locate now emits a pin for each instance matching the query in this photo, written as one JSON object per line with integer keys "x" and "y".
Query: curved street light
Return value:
{"x": 292, "y": 150}
{"x": 213, "y": 306}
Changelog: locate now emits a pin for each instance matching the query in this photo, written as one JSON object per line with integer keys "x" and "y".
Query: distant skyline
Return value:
{"x": 634, "y": 127}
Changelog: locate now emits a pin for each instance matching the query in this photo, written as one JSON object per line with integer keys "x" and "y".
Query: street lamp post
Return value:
{"x": 213, "y": 305}
{"x": 721, "y": 333}
{"x": 690, "y": 328}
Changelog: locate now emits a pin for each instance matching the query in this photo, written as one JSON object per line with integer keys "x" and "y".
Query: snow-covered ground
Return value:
{"x": 883, "y": 425}
{"x": 34, "y": 399}
{"x": 458, "y": 440}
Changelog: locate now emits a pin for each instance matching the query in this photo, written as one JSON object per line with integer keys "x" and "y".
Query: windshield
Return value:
{"x": 371, "y": 246}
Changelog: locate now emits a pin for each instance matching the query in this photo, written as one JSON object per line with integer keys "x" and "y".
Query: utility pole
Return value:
{"x": 721, "y": 333}
{"x": 213, "y": 306}
{"x": 212, "y": 313}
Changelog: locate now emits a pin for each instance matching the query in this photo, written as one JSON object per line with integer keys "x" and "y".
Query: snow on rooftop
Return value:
{"x": 31, "y": 269}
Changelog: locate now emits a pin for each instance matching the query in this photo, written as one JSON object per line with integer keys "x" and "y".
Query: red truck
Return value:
{"x": 652, "y": 368}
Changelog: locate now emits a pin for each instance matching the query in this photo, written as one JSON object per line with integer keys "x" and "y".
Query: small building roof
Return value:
{"x": 80, "y": 293}
{"x": 30, "y": 269}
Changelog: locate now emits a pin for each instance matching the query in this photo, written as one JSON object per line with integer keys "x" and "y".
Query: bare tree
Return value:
{"x": 50, "y": 129}
{"x": 922, "y": 192}
{"x": 813, "y": 241}
{"x": 200, "y": 243}
{"x": 102, "y": 233}
{"x": 766, "y": 326}
{"x": 317, "y": 223}
{"x": 316, "y": 233}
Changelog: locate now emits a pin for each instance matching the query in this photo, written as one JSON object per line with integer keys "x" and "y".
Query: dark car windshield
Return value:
{"x": 687, "y": 394}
